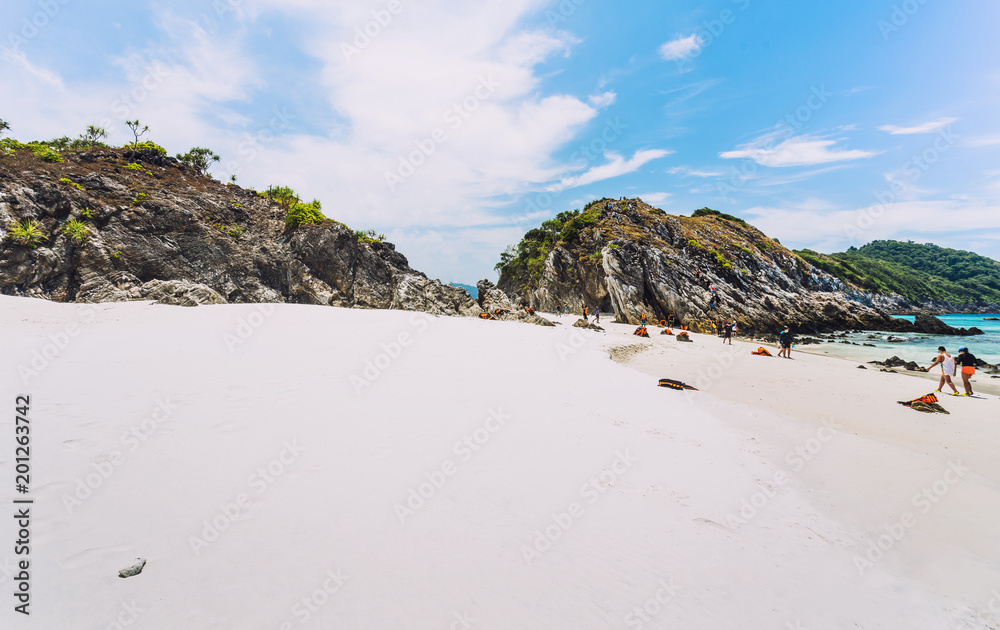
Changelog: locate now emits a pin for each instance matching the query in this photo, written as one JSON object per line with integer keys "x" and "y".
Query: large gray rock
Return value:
{"x": 191, "y": 240}
{"x": 932, "y": 325}
{"x": 637, "y": 260}
{"x": 491, "y": 299}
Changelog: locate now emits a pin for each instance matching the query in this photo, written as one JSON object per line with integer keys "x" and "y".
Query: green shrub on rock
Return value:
{"x": 76, "y": 230}
{"x": 70, "y": 182}
{"x": 28, "y": 233}
{"x": 304, "y": 214}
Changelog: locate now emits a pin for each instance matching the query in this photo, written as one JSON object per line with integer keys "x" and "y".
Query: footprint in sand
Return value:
{"x": 96, "y": 555}
{"x": 713, "y": 525}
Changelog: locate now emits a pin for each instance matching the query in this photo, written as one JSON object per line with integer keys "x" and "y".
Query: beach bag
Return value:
{"x": 672, "y": 384}
{"x": 926, "y": 404}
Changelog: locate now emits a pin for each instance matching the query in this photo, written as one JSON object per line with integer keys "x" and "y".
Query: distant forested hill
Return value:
{"x": 919, "y": 272}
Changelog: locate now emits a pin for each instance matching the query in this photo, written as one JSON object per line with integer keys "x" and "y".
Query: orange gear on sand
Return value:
{"x": 762, "y": 352}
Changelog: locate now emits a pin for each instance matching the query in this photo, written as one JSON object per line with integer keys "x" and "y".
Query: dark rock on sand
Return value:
{"x": 895, "y": 361}
{"x": 582, "y": 323}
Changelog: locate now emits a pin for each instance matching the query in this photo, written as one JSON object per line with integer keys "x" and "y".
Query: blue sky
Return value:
{"x": 454, "y": 127}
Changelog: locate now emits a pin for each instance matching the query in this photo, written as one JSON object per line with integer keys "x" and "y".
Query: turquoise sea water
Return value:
{"x": 918, "y": 347}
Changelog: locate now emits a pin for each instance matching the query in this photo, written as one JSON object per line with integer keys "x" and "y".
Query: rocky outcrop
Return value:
{"x": 162, "y": 232}
{"x": 634, "y": 259}
{"x": 933, "y": 326}
{"x": 124, "y": 287}
{"x": 491, "y": 299}
{"x": 895, "y": 361}
{"x": 582, "y": 323}
{"x": 495, "y": 302}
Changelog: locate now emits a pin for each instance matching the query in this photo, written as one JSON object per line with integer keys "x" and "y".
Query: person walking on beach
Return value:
{"x": 597, "y": 314}
{"x": 785, "y": 339}
{"x": 947, "y": 363}
{"x": 727, "y": 333}
{"x": 670, "y": 320}
{"x": 642, "y": 318}
{"x": 968, "y": 363}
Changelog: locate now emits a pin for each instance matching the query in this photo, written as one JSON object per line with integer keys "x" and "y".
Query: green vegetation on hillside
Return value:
{"x": 917, "y": 272}
{"x": 525, "y": 261}
{"x": 630, "y": 220}
{"x": 953, "y": 264}
{"x": 708, "y": 212}
{"x": 199, "y": 158}
{"x": 137, "y": 156}
{"x": 304, "y": 214}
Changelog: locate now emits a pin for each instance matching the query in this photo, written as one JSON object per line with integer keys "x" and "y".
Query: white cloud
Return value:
{"x": 791, "y": 177}
{"x": 681, "y": 48}
{"x": 600, "y": 101}
{"x": 465, "y": 72}
{"x": 903, "y": 185}
{"x": 618, "y": 165}
{"x": 981, "y": 141}
{"x": 793, "y": 151}
{"x": 927, "y": 127}
{"x": 820, "y": 225}
{"x": 20, "y": 60}
{"x": 690, "y": 172}
{"x": 655, "y": 197}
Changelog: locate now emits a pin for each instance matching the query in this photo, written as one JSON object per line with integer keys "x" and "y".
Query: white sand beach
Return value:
{"x": 283, "y": 466}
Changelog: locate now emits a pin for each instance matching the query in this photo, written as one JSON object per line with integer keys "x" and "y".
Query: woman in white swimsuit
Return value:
{"x": 947, "y": 363}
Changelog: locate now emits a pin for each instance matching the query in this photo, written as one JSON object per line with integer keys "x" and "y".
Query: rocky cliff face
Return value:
{"x": 160, "y": 231}
{"x": 629, "y": 258}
